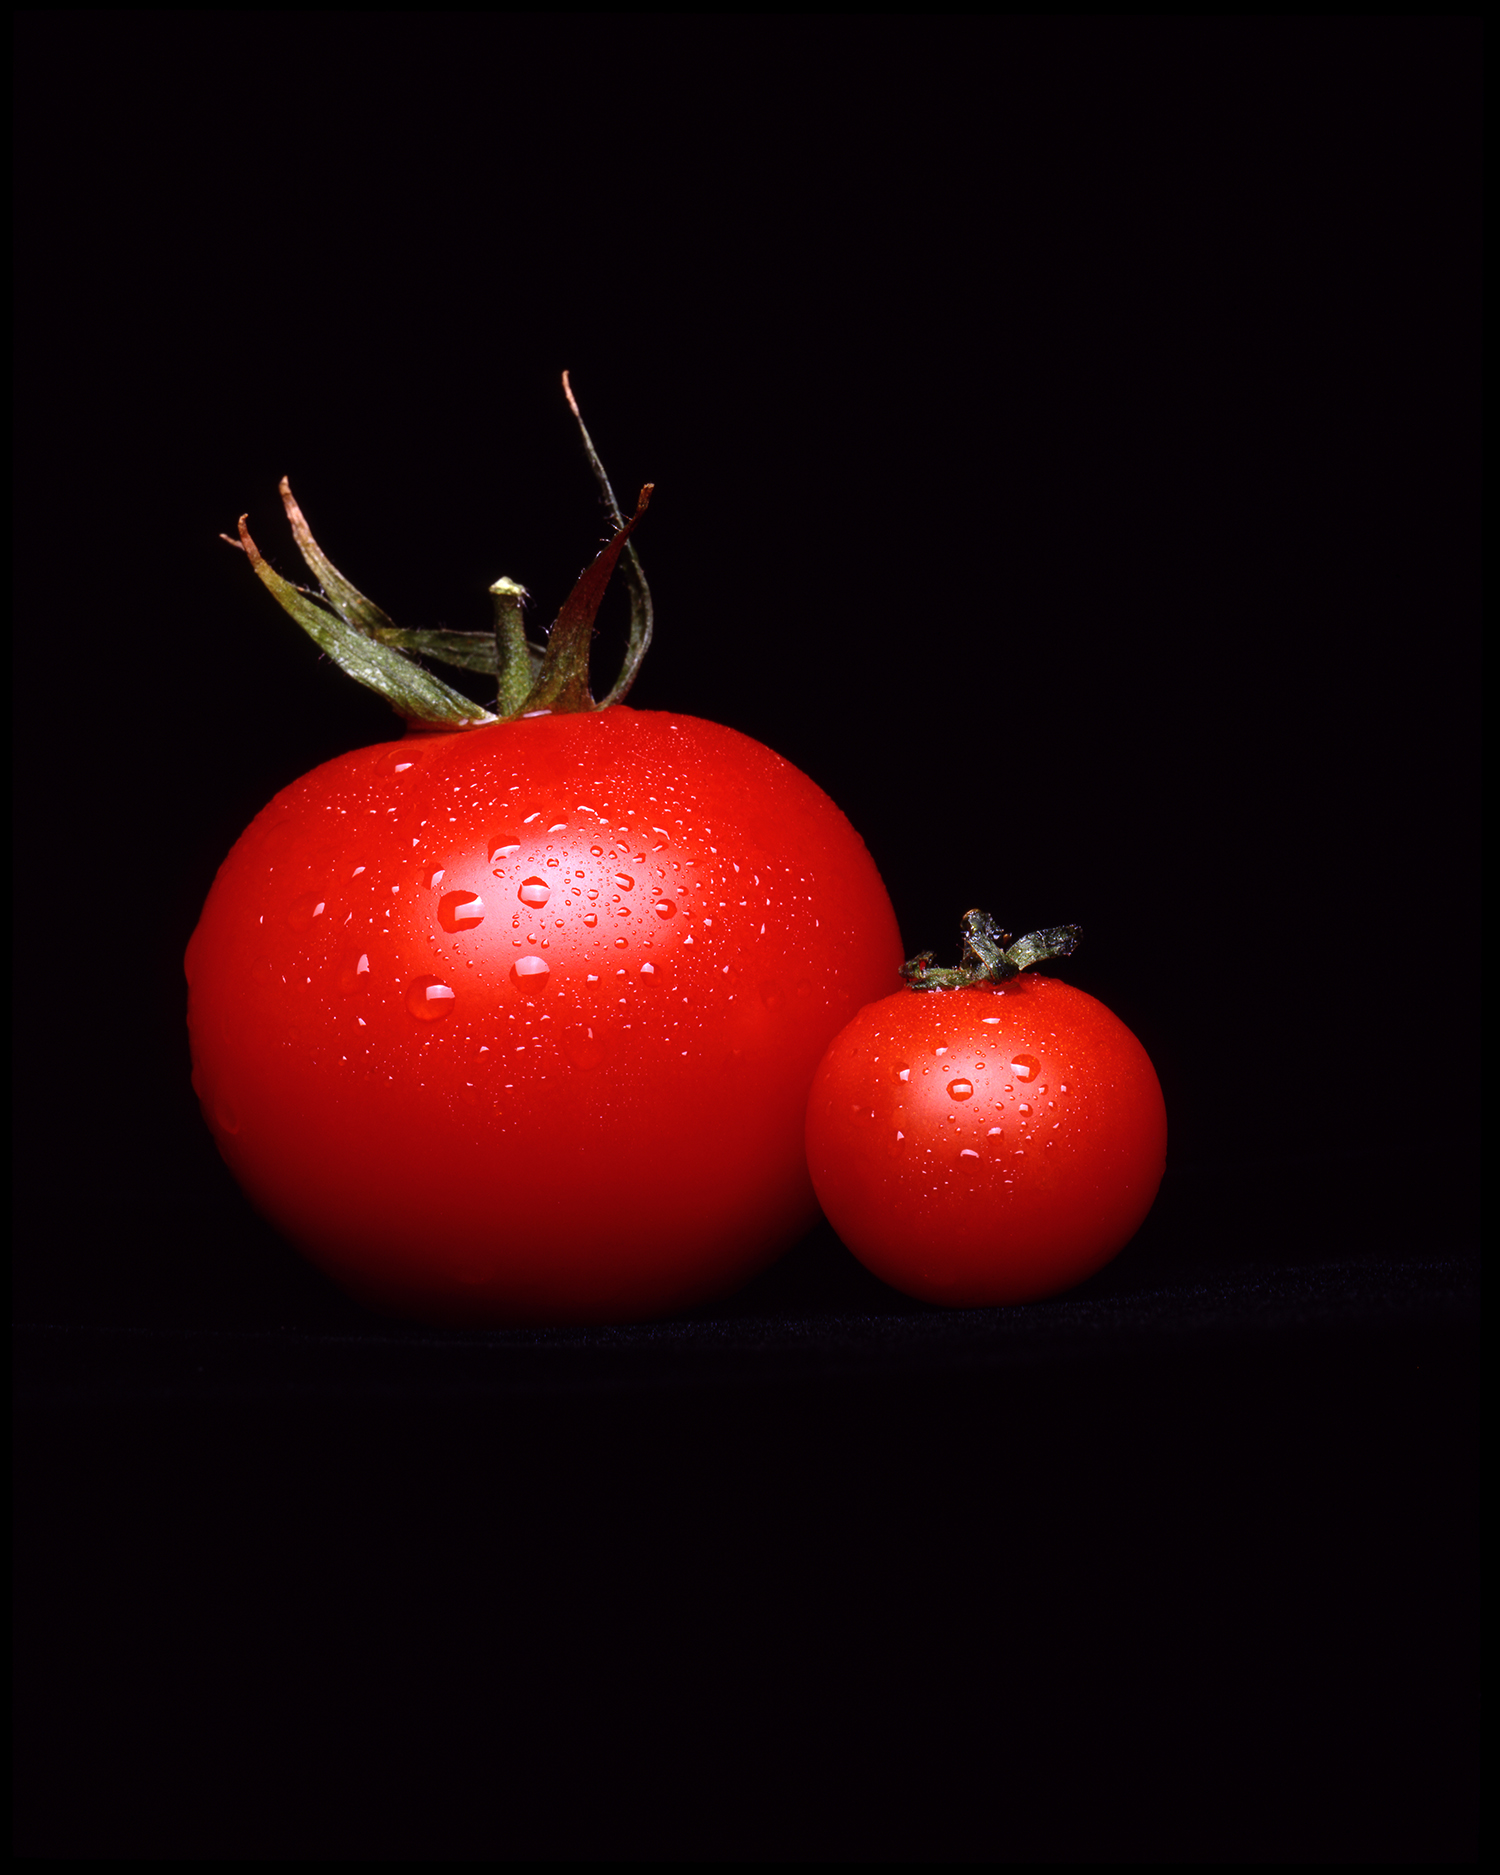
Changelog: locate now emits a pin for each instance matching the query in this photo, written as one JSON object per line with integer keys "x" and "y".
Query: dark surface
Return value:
{"x": 1065, "y": 450}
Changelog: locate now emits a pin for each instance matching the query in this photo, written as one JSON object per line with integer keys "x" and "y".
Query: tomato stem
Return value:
{"x": 990, "y": 955}
{"x": 517, "y": 662}
{"x": 363, "y": 641}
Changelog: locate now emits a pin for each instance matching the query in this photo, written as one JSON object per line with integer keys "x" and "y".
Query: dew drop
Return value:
{"x": 534, "y": 891}
{"x": 620, "y": 944}
{"x": 590, "y": 919}
{"x": 1027, "y": 1067}
{"x": 501, "y": 850}
{"x": 968, "y": 1153}
{"x": 432, "y": 877}
{"x": 624, "y": 881}
{"x": 1023, "y": 1108}
{"x": 429, "y": 999}
{"x": 530, "y": 973}
{"x": 305, "y": 910}
{"x": 354, "y": 972}
{"x": 597, "y": 851}
{"x": 460, "y": 911}
{"x": 664, "y": 908}
{"x": 960, "y": 1090}
{"x": 397, "y": 761}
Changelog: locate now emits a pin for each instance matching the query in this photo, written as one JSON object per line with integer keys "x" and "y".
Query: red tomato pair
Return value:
{"x": 515, "y": 1020}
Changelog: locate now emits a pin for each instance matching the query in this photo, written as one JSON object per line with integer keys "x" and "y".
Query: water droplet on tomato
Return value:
{"x": 534, "y": 891}
{"x": 354, "y": 972}
{"x": 624, "y": 881}
{"x": 1023, "y": 1108}
{"x": 460, "y": 911}
{"x": 530, "y": 973}
{"x": 430, "y": 878}
{"x": 960, "y": 1089}
{"x": 429, "y": 999}
{"x": 1027, "y": 1067}
{"x": 305, "y": 910}
{"x": 590, "y": 919}
{"x": 664, "y": 908}
{"x": 968, "y": 1153}
{"x": 501, "y": 850}
{"x": 597, "y": 851}
{"x": 397, "y": 761}
{"x": 903, "y": 1070}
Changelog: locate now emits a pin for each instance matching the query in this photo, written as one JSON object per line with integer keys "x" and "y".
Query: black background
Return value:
{"x": 1065, "y": 448}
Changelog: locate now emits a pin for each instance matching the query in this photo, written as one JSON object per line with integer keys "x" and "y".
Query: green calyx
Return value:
{"x": 531, "y": 679}
{"x": 990, "y": 955}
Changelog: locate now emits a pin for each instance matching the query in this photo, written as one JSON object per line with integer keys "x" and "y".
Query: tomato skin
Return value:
{"x": 612, "y": 1137}
{"x": 1021, "y": 1151}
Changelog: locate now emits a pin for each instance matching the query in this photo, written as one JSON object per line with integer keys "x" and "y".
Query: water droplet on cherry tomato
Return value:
{"x": 530, "y": 973}
{"x": 501, "y": 850}
{"x": 460, "y": 911}
{"x": 591, "y": 919}
{"x": 305, "y": 910}
{"x": 534, "y": 891}
{"x": 354, "y": 972}
{"x": 624, "y": 881}
{"x": 597, "y": 851}
{"x": 431, "y": 877}
{"x": 664, "y": 908}
{"x": 968, "y": 1153}
{"x": 960, "y": 1090}
{"x": 398, "y": 761}
{"x": 429, "y": 999}
{"x": 1027, "y": 1067}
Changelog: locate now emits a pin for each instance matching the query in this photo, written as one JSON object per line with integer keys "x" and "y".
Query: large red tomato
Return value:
{"x": 517, "y": 1024}
{"x": 987, "y": 1144}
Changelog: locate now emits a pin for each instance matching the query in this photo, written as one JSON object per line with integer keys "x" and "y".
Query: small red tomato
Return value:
{"x": 986, "y": 1144}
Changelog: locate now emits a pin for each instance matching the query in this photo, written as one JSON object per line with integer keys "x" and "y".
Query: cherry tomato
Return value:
{"x": 517, "y": 1024}
{"x": 986, "y": 1144}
